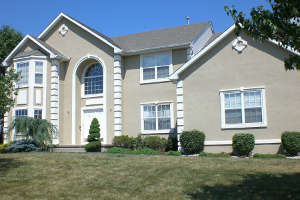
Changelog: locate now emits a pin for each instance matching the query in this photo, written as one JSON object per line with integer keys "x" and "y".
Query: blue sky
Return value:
{"x": 120, "y": 17}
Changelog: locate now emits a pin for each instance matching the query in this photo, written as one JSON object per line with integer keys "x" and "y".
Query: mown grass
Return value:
{"x": 114, "y": 176}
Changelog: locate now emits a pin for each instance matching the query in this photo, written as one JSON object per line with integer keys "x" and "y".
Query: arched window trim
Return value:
{"x": 83, "y": 76}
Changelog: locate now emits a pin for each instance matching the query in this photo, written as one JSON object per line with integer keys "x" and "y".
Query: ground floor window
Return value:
{"x": 38, "y": 114}
{"x": 20, "y": 113}
{"x": 243, "y": 108}
{"x": 156, "y": 117}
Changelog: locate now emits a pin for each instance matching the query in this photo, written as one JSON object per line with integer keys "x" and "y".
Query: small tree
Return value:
{"x": 94, "y": 144}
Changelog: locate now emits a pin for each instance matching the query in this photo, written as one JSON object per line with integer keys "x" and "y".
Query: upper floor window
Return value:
{"x": 22, "y": 69}
{"x": 155, "y": 67}
{"x": 243, "y": 108}
{"x": 38, "y": 72}
{"x": 93, "y": 80}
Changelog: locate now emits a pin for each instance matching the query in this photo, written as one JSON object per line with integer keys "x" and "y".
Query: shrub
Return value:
{"x": 258, "y": 155}
{"x": 94, "y": 137}
{"x": 172, "y": 143}
{"x": 124, "y": 141}
{"x": 138, "y": 142}
{"x": 192, "y": 141}
{"x": 4, "y": 146}
{"x": 94, "y": 146}
{"x": 155, "y": 143}
{"x": 174, "y": 153}
{"x": 223, "y": 154}
{"x": 291, "y": 142}
{"x": 23, "y": 146}
{"x": 243, "y": 143}
{"x": 119, "y": 150}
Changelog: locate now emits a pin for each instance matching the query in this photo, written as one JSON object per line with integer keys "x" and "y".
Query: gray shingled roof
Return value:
{"x": 176, "y": 36}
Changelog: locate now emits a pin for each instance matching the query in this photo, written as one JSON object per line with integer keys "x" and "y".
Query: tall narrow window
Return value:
{"x": 22, "y": 69}
{"x": 243, "y": 108}
{"x": 93, "y": 80}
{"x": 155, "y": 67}
{"x": 38, "y": 72}
{"x": 156, "y": 117}
{"x": 38, "y": 114}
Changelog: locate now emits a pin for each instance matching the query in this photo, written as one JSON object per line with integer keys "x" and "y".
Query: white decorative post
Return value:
{"x": 54, "y": 97}
{"x": 180, "y": 110}
{"x": 5, "y": 128}
{"x": 117, "y": 96}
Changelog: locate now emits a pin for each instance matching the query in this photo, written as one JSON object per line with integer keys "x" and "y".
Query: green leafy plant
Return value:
{"x": 138, "y": 142}
{"x": 155, "y": 143}
{"x": 25, "y": 145}
{"x": 172, "y": 143}
{"x": 124, "y": 141}
{"x": 147, "y": 151}
{"x": 39, "y": 130}
{"x": 94, "y": 144}
{"x": 173, "y": 153}
{"x": 243, "y": 143}
{"x": 192, "y": 141}
{"x": 258, "y": 155}
{"x": 4, "y": 146}
{"x": 291, "y": 142}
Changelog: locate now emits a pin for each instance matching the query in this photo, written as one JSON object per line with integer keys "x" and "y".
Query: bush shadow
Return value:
{"x": 8, "y": 163}
{"x": 253, "y": 186}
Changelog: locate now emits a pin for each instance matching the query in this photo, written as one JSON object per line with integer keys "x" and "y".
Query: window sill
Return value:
{"x": 157, "y": 132}
{"x": 245, "y": 126}
{"x": 38, "y": 86}
{"x": 22, "y": 86}
{"x": 91, "y": 96}
{"x": 155, "y": 81}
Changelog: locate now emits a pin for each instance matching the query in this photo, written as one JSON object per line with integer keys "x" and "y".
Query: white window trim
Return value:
{"x": 83, "y": 95}
{"x": 43, "y": 73}
{"x": 156, "y": 80}
{"x": 243, "y": 125}
{"x": 157, "y": 131}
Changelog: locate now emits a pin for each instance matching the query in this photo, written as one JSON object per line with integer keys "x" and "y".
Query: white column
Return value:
{"x": 117, "y": 96}
{"x": 54, "y": 97}
{"x": 5, "y": 128}
{"x": 180, "y": 109}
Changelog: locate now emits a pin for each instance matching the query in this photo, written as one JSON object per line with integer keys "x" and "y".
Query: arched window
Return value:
{"x": 93, "y": 80}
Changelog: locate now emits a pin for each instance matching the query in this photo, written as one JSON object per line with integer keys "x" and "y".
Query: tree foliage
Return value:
{"x": 94, "y": 144}
{"x": 281, "y": 23}
{"x": 40, "y": 130}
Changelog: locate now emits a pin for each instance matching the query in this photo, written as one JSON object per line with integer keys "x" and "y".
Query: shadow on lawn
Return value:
{"x": 256, "y": 186}
{"x": 8, "y": 163}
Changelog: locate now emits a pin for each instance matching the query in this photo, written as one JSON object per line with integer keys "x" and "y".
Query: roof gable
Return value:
{"x": 53, "y": 54}
{"x": 88, "y": 29}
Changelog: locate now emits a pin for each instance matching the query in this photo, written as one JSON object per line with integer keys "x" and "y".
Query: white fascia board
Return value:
{"x": 175, "y": 76}
{"x": 56, "y": 20}
{"x": 286, "y": 48}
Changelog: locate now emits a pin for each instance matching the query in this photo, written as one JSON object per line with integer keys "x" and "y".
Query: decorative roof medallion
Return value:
{"x": 63, "y": 30}
{"x": 239, "y": 44}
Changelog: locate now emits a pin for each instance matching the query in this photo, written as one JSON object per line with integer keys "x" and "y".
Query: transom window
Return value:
{"x": 243, "y": 108}
{"x": 20, "y": 113}
{"x": 22, "y": 69}
{"x": 37, "y": 114}
{"x": 38, "y": 72}
{"x": 93, "y": 80}
{"x": 155, "y": 67}
{"x": 156, "y": 117}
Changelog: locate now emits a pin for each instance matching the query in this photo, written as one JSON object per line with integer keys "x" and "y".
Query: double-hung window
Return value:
{"x": 155, "y": 67}
{"x": 38, "y": 72}
{"x": 156, "y": 118}
{"x": 243, "y": 108}
{"x": 38, "y": 114}
{"x": 22, "y": 70}
{"x": 20, "y": 113}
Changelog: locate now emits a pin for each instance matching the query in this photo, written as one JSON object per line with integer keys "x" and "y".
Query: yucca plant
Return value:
{"x": 40, "y": 130}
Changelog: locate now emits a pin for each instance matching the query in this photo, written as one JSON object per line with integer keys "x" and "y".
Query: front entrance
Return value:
{"x": 88, "y": 115}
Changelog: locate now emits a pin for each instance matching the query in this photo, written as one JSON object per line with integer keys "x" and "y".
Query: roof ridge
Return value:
{"x": 173, "y": 27}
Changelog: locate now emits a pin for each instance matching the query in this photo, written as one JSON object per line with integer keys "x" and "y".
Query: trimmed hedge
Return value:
{"x": 243, "y": 143}
{"x": 155, "y": 143}
{"x": 192, "y": 141}
{"x": 291, "y": 142}
{"x": 94, "y": 146}
{"x": 124, "y": 141}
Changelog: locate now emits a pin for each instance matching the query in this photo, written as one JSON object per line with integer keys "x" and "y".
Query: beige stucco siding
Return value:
{"x": 135, "y": 93}
{"x": 77, "y": 44}
{"x": 260, "y": 64}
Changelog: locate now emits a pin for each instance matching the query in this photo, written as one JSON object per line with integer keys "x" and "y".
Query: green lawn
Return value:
{"x": 110, "y": 176}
